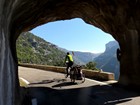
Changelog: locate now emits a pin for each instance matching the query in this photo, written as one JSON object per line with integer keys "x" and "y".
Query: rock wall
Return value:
{"x": 120, "y": 18}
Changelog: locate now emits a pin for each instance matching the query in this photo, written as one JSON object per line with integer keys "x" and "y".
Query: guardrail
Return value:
{"x": 92, "y": 74}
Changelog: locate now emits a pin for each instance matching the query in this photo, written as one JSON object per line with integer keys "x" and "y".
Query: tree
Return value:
{"x": 91, "y": 65}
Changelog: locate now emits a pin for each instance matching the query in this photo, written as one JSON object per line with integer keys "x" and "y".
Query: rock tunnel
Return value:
{"x": 120, "y": 18}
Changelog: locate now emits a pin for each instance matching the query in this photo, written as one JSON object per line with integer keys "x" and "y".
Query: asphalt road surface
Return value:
{"x": 51, "y": 88}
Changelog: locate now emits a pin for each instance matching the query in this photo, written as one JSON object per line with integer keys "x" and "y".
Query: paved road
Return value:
{"x": 51, "y": 88}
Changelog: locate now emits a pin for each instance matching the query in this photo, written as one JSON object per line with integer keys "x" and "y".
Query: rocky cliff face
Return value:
{"x": 107, "y": 61}
{"x": 110, "y": 45}
{"x": 120, "y": 18}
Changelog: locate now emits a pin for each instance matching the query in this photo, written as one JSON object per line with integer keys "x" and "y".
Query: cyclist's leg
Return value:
{"x": 67, "y": 70}
{"x": 71, "y": 64}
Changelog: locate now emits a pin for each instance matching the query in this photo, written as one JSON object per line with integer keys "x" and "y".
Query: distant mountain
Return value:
{"x": 76, "y": 59}
{"x": 82, "y": 58}
{"x": 85, "y": 57}
{"x": 107, "y": 61}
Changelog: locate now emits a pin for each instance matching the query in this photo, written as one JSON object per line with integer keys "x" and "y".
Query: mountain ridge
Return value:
{"x": 42, "y": 52}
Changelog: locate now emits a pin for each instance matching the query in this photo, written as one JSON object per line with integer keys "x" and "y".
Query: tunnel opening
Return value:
{"x": 32, "y": 60}
{"x": 86, "y": 41}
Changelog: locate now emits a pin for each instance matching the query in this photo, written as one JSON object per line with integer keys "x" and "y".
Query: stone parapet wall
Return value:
{"x": 92, "y": 74}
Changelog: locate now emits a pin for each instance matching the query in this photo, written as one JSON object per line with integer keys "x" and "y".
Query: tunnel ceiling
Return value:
{"x": 108, "y": 15}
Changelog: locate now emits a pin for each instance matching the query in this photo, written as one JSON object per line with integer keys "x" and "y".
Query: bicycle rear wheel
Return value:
{"x": 72, "y": 76}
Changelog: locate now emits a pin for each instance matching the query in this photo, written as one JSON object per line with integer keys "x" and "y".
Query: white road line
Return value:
{"x": 101, "y": 83}
{"x": 23, "y": 82}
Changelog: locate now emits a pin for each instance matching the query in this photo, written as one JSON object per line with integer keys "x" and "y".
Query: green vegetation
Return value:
{"x": 91, "y": 65}
{"x": 34, "y": 50}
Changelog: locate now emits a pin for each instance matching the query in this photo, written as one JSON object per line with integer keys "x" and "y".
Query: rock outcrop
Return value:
{"x": 120, "y": 18}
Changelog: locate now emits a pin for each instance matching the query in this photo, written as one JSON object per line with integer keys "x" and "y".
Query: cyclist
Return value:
{"x": 68, "y": 62}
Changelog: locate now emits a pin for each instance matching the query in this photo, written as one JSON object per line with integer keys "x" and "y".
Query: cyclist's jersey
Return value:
{"x": 69, "y": 58}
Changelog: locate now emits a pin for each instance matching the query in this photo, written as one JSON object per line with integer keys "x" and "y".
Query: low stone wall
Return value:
{"x": 92, "y": 74}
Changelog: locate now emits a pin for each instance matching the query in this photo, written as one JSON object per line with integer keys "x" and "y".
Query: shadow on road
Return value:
{"x": 93, "y": 95}
{"x": 64, "y": 84}
{"x": 48, "y": 81}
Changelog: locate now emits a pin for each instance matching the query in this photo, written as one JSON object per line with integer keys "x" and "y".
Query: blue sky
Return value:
{"x": 74, "y": 35}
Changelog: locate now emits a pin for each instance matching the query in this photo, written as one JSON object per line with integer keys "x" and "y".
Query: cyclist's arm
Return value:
{"x": 65, "y": 59}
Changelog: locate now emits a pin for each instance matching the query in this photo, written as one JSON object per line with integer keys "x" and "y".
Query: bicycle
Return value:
{"x": 76, "y": 73}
